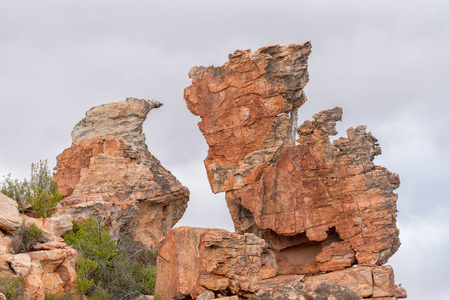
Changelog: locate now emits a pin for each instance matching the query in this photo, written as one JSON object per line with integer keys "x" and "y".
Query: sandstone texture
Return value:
{"x": 193, "y": 261}
{"x": 367, "y": 282}
{"x": 320, "y": 205}
{"x": 248, "y": 109}
{"x": 292, "y": 288}
{"x": 10, "y": 220}
{"x": 49, "y": 267}
{"x": 109, "y": 172}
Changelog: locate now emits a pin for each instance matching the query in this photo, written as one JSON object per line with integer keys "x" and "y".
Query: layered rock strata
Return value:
{"x": 351, "y": 283}
{"x": 49, "y": 267}
{"x": 108, "y": 171}
{"x": 199, "y": 261}
{"x": 367, "y": 282}
{"x": 248, "y": 110}
{"x": 292, "y": 288}
{"x": 321, "y": 206}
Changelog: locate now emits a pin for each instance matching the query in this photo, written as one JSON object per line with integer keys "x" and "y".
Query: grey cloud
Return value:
{"x": 384, "y": 62}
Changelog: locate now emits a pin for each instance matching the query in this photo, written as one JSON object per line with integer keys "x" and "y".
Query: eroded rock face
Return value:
{"x": 47, "y": 268}
{"x": 10, "y": 220}
{"x": 109, "y": 171}
{"x": 193, "y": 261}
{"x": 367, "y": 282}
{"x": 248, "y": 110}
{"x": 321, "y": 206}
{"x": 293, "y": 288}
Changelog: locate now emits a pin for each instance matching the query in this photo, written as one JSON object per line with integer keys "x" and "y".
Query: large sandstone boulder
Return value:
{"x": 10, "y": 220}
{"x": 108, "y": 171}
{"x": 321, "y": 206}
{"x": 292, "y": 287}
{"x": 193, "y": 261}
{"x": 367, "y": 282}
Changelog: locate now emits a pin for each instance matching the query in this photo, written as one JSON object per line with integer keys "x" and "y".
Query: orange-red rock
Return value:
{"x": 10, "y": 220}
{"x": 248, "y": 110}
{"x": 292, "y": 287}
{"x": 327, "y": 200}
{"x": 108, "y": 171}
{"x": 366, "y": 281}
{"x": 43, "y": 272}
{"x": 193, "y": 261}
{"x": 321, "y": 206}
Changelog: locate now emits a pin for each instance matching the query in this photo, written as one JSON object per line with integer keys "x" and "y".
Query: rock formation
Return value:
{"x": 321, "y": 206}
{"x": 199, "y": 263}
{"x": 248, "y": 110}
{"x": 193, "y": 261}
{"x": 49, "y": 267}
{"x": 108, "y": 171}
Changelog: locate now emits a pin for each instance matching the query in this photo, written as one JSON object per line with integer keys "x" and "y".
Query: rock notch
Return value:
{"x": 108, "y": 171}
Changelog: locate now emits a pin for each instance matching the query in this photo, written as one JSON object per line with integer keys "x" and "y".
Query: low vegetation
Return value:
{"x": 40, "y": 193}
{"x": 12, "y": 288}
{"x": 26, "y": 237}
{"x": 110, "y": 269}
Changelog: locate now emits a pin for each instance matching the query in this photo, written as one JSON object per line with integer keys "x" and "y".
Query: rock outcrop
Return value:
{"x": 10, "y": 220}
{"x": 292, "y": 288}
{"x": 248, "y": 110}
{"x": 199, "y": 263}
{"x": 47, "y": 268}
{"x": 195, "y": 261}
{"x": 321, "y": 206}
{"x": 108, "y": 171}
{"x": 367, "y": 282}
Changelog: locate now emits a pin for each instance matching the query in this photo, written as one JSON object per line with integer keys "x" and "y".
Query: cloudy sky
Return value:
{"x": 384, "y": 62}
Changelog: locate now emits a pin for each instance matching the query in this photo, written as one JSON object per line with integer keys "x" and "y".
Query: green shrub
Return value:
{"x": 19, "y": 191}
{"x": 26, "y": 237}
{"x": 40, "y": 193}
{"x": 108, "y": 269}
{"x": 12, "y": 288}
{"x": 65, "y": 296}
{"x": 32, "y": 235}
{"x": 146, "y": 279}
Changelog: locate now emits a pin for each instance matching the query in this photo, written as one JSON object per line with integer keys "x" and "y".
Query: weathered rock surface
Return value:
{"x": 21, "y": 264}
{"x": 193, "y": 261}
{"x": 49, "y": 267}
{"x": 292, "y": 288}
{"x": 368, "y": 282}
{"x": 248, "y": 110}
{"x": 10, "y": 220}
{"x": 46, "y": 271}
{"x": 108, "y": 171}
{"x": 321, "y": 206}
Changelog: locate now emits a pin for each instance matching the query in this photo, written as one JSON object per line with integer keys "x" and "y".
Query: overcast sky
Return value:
{"x": 384, "y": 62}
